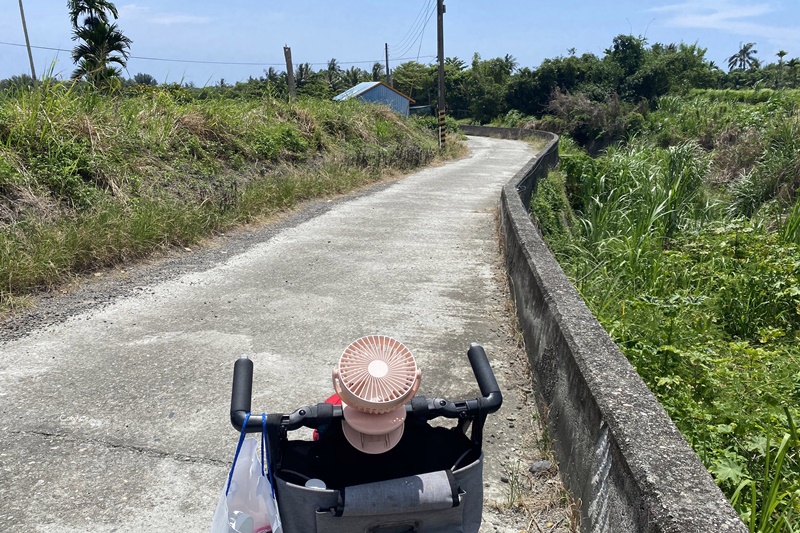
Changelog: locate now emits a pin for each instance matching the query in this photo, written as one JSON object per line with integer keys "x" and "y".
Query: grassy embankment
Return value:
{"x": 89, "y": 180}
{"x": 685, "y": 243}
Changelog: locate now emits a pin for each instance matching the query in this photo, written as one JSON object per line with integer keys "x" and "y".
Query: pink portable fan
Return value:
{"x": 375, "y": 378}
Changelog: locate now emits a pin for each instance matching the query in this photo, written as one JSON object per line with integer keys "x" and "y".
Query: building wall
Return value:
{"x": 381, "y": 94}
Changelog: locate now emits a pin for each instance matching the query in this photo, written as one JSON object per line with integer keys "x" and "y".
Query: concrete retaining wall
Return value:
{"x": 619, "y": 453}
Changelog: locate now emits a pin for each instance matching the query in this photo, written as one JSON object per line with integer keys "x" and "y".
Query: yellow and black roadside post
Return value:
{"x": 441, "y": 129}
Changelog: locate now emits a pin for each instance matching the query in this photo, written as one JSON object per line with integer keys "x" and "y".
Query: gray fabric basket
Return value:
{"x": 437, "y": 502}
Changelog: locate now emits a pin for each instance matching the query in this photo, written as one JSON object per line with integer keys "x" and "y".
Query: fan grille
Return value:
{"x": 377, "y": 372}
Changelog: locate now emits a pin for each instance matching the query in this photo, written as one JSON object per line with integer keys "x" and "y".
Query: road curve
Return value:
{"x": 116, "y": 419}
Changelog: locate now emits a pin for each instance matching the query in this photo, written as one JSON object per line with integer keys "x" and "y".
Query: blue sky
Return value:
{"x": 354, "y": 32}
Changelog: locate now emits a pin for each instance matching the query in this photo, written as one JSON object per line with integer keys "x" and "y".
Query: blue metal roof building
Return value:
{"x": 377, "y": 92}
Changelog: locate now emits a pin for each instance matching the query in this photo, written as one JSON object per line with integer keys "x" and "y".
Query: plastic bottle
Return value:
{"x": 250, "y": 493}
{"x": 240, "y": 522}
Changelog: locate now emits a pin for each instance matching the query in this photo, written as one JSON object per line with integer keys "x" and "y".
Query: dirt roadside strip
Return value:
{"x": 114, "y": 398}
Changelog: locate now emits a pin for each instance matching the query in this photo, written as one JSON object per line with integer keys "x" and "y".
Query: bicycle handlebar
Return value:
{"x": 421, "y": 408}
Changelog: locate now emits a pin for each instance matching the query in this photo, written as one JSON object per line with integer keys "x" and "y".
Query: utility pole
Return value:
{"x": 287, "y": 53}
{"x": 388, "y": 78}
{"x": 27, "y": 41}
{"x": 440, "y": 11}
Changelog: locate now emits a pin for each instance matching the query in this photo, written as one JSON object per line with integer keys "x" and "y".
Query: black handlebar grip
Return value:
{"x": 492, "y": 398}
{"x": 242, "y": 390}
{"x": 483, "y": 372}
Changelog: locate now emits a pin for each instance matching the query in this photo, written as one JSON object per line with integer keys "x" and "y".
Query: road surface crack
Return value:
{"x": 143, "y": 450}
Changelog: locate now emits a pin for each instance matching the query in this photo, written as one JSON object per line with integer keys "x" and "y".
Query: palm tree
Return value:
{"x": 781, "y": 54}
{"x": 333, "y": 74}
{"x": 277, "y": 82}
{"x": 101, "y": 42}
{"x": 511, "y": 63}
{"x": 273, "y": 76}
{"x": 793, "y": 65}
{"x": 744, "y": 58}
{"x": 353, "y": 76}
{"x": 102, "y": 45}
{"x": 455, "y": 62}
{"x": 93, "y": 9}
{"x": 377, "y": 72}
{"x": 302, "y": 74}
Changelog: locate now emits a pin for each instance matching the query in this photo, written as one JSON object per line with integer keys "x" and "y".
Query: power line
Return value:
{"x": 154, "y": 58}
{"x": 421, "y": 30}
{"x": 420, "y": 38}
{"x": 230, "y": 63}
{"x": 414, "y": 26}
{"x": 423, "y": 35}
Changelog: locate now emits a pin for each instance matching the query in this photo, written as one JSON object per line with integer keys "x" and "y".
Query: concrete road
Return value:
{"x": 117, "y": 418}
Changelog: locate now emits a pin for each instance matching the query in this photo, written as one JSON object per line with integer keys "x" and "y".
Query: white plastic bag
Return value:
{"x": 247, "y": 504}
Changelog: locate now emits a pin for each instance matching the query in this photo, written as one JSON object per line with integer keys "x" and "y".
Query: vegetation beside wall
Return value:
{"x": 684, "y": 242}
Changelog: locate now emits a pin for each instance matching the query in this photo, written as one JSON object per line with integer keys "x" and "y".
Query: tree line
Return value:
{"x": 630, "y": 72}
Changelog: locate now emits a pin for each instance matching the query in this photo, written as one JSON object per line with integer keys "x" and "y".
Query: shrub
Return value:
{"x": 110, "y": 178}
{"x": 706, "y": 307}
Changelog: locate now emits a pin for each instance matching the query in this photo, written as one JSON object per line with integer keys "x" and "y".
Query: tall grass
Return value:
{"x": 753, "y": 138}
{"x": 790, "y": 229}
{"x": 775, "y": 175}
{"x": 705, "y": 306}
{"x": 777, "y": 512}
{"x": 630, "y": 204}
{"x": 88, "y": 180}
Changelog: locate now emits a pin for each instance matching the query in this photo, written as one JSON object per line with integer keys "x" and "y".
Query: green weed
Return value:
{"x": 88, "y": 179}
{"x": 774, "y": 511}
{"x": 703, "y": 301}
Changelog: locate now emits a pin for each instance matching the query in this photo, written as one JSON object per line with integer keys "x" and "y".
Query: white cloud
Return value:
{"x": 729, "y": 16}
{"x": 173, "y": 19}
{"x": 721, "y": 9}
{"x": 129, "y": 11}
{"x": 145, "y": 14}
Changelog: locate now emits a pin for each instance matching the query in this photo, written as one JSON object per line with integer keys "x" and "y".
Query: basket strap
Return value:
{"x": 477, "y": 427}
{"x": 265, "y": 461}
{"x": 274, "y": 433}
{"x": 238, "y": 449}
